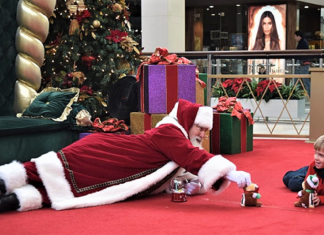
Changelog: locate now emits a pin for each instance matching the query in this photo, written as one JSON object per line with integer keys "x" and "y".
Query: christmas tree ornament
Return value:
{"x": 129, "y": 44}
{"x": 73, "y": 9}
{"x": 116, "y": 7}
{"x": 96, "y": 23}
{"x": 74, "y": 27}
{"x": 124, "y": 64}
{"x": 81, "y": 6}
{"x": 78, "y": 76}
{"x": 178, "y": 189}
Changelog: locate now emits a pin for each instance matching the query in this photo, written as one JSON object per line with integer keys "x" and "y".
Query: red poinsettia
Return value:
{"x": 83, "y": 15}
{"x": 235, "y": 84}
{"x": 87, "y": 90}
{"x": 116, "y": 35}
{"x": 227, "y": 83}
{"x": 231, "y": 105}
{"x": 263, "y": 85}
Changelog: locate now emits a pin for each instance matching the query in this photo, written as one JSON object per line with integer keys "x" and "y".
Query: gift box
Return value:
{"x": 203, "y": 77}
{"x": 141, "y": 122}
{"x": 84, "y": 134}
{"x": 206, "y": 141}
{"x": 200, "y": 99}
{"x": 230, "y": 135}
{"x": 162, "y": 85}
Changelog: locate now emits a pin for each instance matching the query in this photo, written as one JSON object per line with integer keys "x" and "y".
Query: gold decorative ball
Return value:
{"x": 96, "y": 23}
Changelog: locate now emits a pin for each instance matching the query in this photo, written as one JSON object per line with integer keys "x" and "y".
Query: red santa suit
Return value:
{"x": 106, "y": 168}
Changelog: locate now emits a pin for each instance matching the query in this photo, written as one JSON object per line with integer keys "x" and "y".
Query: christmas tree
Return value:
{"x": 90, "y": 45}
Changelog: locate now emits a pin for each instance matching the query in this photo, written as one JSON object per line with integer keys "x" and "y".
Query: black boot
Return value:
{"x": 2, "y": 187}
{"x": 9, "y": 202}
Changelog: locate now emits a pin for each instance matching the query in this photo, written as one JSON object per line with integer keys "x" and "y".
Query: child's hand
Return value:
{"x": 316, "y": 199}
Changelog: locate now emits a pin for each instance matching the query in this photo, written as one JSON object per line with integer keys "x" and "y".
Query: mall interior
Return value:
{"x": 218, "y": 36}
{"x": 216, "y": 25}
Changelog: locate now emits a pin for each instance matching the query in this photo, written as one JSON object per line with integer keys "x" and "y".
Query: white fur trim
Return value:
{"x": 14, "y": 175}
{"x": 204, "y": 117}
{"x": 29, "y": 198}
{"x": 171, "y": 120}
{"x": 174, "y": 111}
{"x": 214, "y": 169}
{"x": 51, "y": 171}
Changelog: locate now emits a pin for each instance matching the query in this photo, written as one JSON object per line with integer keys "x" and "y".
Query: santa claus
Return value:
{"x": 107, "y": 168}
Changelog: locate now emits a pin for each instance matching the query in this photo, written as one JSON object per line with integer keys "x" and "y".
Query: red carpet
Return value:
{"x": 203, "y": 214}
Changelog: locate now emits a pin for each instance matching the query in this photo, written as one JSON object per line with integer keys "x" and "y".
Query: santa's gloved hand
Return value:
{"x": 242, "y": 178}
{"x": 193, "y": 187}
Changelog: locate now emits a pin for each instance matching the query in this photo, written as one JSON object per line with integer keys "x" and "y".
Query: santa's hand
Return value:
{"x": 242, "y": 178}
{"x": 193, "y": 187}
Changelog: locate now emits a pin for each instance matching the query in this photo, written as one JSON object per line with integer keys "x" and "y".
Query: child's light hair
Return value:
{"x": 319, "y": 143}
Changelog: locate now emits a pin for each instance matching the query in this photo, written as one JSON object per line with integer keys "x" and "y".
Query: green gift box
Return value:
{"x": 203, "y": 77}
{"x": 230, "y": 135}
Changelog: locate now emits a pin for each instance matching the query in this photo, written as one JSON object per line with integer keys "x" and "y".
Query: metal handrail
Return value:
{"x": 274, "y": 54}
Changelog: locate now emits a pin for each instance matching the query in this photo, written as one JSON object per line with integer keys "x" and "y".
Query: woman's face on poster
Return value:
{"x": 267, "y": 25}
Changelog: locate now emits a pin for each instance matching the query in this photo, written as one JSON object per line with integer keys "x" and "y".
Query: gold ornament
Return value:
{"x": 96, "y": 23}
{"x": 116, "y": 8}
{"x": 73, "y": 9}
{"x": 79, "y": 76}
{"x": 81, "y": 6}
{"x": 123, "y": 3}
{"x": 129, "y": 45}
{"x": 74, "y": 27}
{"x": 124, "y": 64}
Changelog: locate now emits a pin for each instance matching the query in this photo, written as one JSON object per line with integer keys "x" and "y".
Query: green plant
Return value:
{"x": 252, "y": 88}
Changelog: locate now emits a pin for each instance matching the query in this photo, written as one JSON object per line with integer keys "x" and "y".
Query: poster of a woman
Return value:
{"x": 267, "y": 31}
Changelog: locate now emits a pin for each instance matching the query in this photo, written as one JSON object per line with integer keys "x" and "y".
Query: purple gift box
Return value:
{"x": 81, "y": 135}
{"x": 162, "y": 85}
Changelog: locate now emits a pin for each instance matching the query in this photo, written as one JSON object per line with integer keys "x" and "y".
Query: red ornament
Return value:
{"x": 87, "y": 60}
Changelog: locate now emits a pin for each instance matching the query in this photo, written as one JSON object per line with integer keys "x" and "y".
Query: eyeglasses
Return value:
{"x": 201, "y": 129}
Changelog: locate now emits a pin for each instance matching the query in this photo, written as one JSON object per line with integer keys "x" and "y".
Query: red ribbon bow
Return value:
{"x": 162, "y": 56}
{"x": 110, "y": 125}
{"x": 231, "y": 105}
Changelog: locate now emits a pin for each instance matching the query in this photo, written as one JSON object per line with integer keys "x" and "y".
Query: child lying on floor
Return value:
{"x": 292, "y": 179}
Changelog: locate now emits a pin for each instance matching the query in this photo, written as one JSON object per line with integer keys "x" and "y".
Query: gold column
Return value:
{"x": 316, "y": 127}
{"x": 32, "y": 18}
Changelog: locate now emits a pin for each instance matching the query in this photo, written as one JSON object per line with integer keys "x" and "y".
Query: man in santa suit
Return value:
{"x": 107, "y": 168}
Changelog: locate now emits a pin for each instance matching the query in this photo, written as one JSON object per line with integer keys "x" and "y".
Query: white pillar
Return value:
{"x": 163, "y": 25}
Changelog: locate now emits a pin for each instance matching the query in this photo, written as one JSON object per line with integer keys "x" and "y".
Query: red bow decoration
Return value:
{"x": 84, "y": 14}
{"x": 162, "y": 56}
{"x": 110, "y": 125}
{"x": 234, "y": 107}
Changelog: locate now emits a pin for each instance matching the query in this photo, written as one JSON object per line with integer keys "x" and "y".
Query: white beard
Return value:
{"x": 196, "y": 141}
